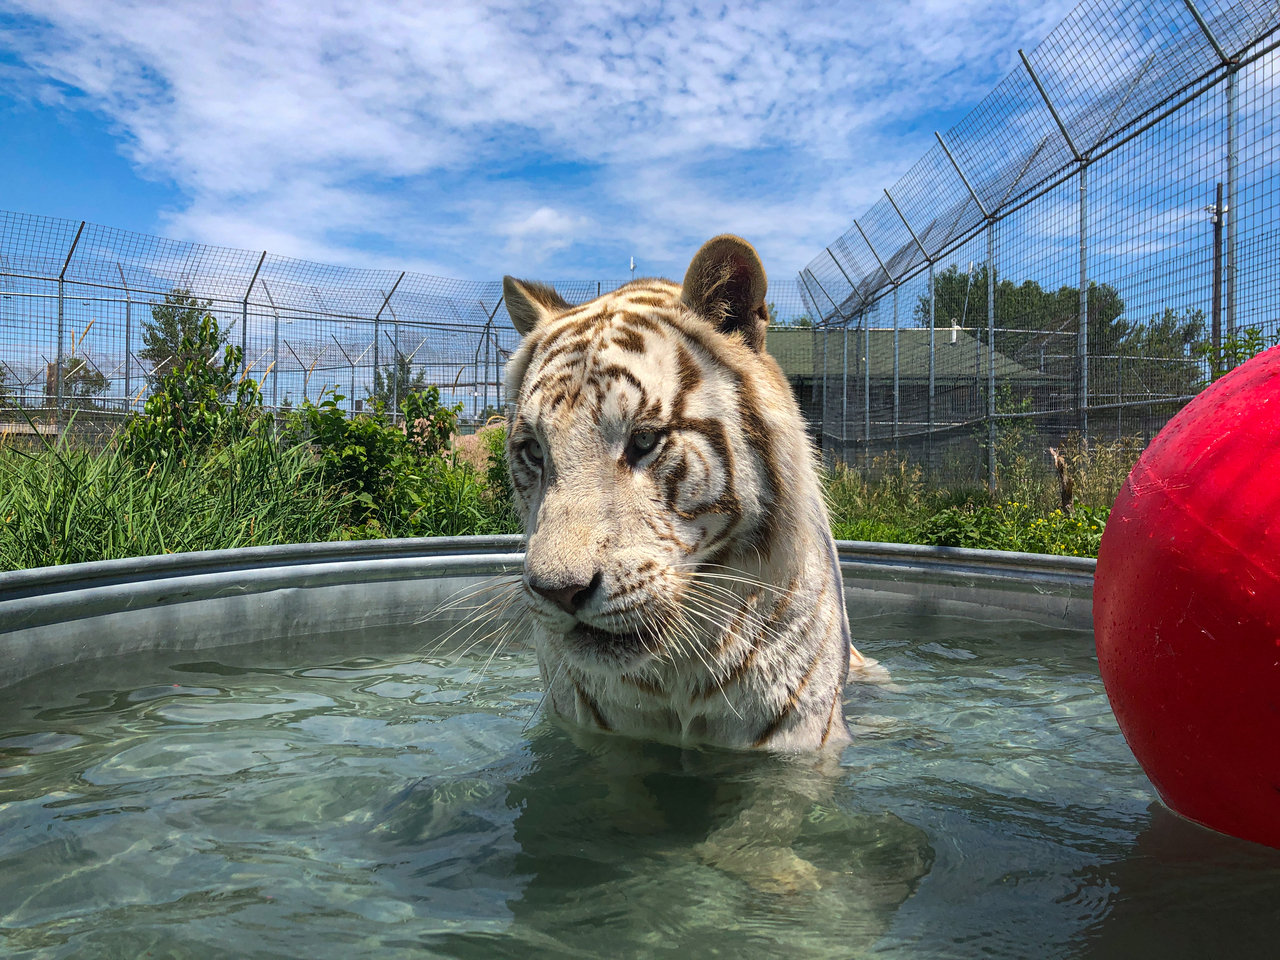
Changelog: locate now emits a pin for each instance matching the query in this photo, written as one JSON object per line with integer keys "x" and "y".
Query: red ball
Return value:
{"x": 1186, "y": 606}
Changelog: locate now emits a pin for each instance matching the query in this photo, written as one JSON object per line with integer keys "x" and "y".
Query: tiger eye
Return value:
{"x": 534, "y": 449}
{"x": 644, "y": 441}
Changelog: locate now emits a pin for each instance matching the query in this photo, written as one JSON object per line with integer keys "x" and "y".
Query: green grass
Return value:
{"x": 890, "y": 502}
{"x": 64, "y": 505}
{"x": 268, "y": 486}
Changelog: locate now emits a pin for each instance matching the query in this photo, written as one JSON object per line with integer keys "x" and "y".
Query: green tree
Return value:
{"x": 187, "y": 411}
{"x": 174, "y": 324}
{"x": 1237, "y": 348}
{"x": 394, "y": 382}
{"x": 82, "y": 382}
{"x": 961, "y": 297}
{"x": 428, "y": 424}
{"x": 804, "y": 320}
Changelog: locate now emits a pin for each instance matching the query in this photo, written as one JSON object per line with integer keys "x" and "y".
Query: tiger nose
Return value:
{"x": 570, "y": 598}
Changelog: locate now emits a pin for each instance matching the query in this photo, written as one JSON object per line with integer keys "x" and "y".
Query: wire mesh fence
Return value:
{"x": 87, "y": 325}
{"x": 1086, "y": 250}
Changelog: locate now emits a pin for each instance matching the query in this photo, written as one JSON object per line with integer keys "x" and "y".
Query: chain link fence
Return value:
{"x": 89, "y": 314}
{"x": 1084, "y": 251}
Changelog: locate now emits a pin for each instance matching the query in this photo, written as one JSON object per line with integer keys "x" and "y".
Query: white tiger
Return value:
{"x": 680, "y": 572}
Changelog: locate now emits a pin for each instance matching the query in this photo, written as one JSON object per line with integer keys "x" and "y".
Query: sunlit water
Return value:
{"x": 351, "y": 801}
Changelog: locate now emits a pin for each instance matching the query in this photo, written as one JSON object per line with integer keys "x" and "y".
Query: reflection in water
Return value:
{"x": 1188, "y": 892}
{"x": 607, "y": 838}
{"x": 306, "y": 801}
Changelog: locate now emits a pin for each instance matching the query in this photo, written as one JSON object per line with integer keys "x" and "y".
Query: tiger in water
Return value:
{"x": 680, "y": 575}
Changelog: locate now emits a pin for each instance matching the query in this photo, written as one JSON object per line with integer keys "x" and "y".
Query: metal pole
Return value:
{"x": 1066, "y": 135}
{"x": 1082, "y": 346}
{"x": 906, "y": 223}
{"x": 1204, "y": 28}
{"x": 991, "y": 356}
{"x": 839, "y": 312}
{"x": 932, "y": 364}
{"x": 928, "y": 259}
{"x": 1217, "y": 365}
{"x": 1232, "y": 158}
{"x": 128, "y": 347}
{"x": 853, "y": 287}
{"x": 965, "y": 180}
{"x": 883, "y": 268}
{"x": 244, "y": 314}
{"x": 377, "y": 317}
{"x": 895, "y": 368}
{"x": 275, "y": 347}
{"x": 57, "y": 373}
{"x": 844, "y": 400}
{"x": 826, "y": 336}
{"x": 395, "y": 360}
{"x": 484, "y": 400}
{"x": 866, "y": 389}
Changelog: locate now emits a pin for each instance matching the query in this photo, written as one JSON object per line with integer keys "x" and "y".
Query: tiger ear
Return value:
{"x": 726, "y": 284}
{"x": 529, "y": 303}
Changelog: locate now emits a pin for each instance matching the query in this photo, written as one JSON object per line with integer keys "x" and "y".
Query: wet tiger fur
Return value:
{"x": 680, "y": 574}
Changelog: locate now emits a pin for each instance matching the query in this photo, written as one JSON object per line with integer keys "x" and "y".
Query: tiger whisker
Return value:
{"x": 462, "y": 594}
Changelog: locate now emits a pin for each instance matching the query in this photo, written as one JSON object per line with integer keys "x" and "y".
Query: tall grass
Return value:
{"x": 63, "y": 505}
{"x": 60, "y": 504}
{"x": 890, "y": 500}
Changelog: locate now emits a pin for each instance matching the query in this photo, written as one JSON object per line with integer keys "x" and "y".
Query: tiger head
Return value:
{"x": 652, "y": 441}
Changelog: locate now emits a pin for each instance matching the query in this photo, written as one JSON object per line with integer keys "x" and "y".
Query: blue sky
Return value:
{"x": 472, "y": 140}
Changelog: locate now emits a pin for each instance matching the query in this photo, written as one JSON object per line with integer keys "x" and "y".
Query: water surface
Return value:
{"x": 348, "y": 800}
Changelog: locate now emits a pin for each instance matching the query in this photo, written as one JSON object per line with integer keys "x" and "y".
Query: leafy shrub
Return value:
{"x": 174, "y": 332}
{"x": 427, "y": 424}
{"x": 399, "y": 480}
{"x": 354, "y": 454}
{"x": 1014, "y": 525}
{"x": 188, "y": 411}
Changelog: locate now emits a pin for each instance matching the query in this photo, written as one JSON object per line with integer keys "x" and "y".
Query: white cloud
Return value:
{"x": 543, "y": 232}
{"x": 441, "y": 129}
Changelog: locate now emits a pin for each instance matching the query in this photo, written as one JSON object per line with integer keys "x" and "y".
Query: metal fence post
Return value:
{"x": 933, "y": 326}
{"x": 929, "y": 260}
{"x": 275, "y": 363}
{"x": 1232, "y": 157}
{"x": 377, "y": 317}
{"x": 1082, "y": 346}
{"x": 866, "y": 390}
{"x": 826, "y": 337}
{"x": 395, "y": 360}
{"x": 244, "y": 315}
{"x": 128, "y": 330}
{"x": 844, "y": 400}
{"x": 1215, "y": 300}
{"x": 839, "y": 313}
{"x": 275, "y": 346}
{"x": 989, "y": 217}
{"x": 57, "y": 373}
{"x": 1082, "y": 343}
{"x": 991, "y": 356}
{"x": 895, "y": 368}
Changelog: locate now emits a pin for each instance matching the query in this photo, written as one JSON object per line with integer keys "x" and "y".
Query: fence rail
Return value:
{"x": 1085, "y": 250}
{"x": 82, "y": 309}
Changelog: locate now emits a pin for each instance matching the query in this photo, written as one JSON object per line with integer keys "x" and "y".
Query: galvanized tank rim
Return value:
{"x": 50, "y": 616}
{"x": 48, "y": 581}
